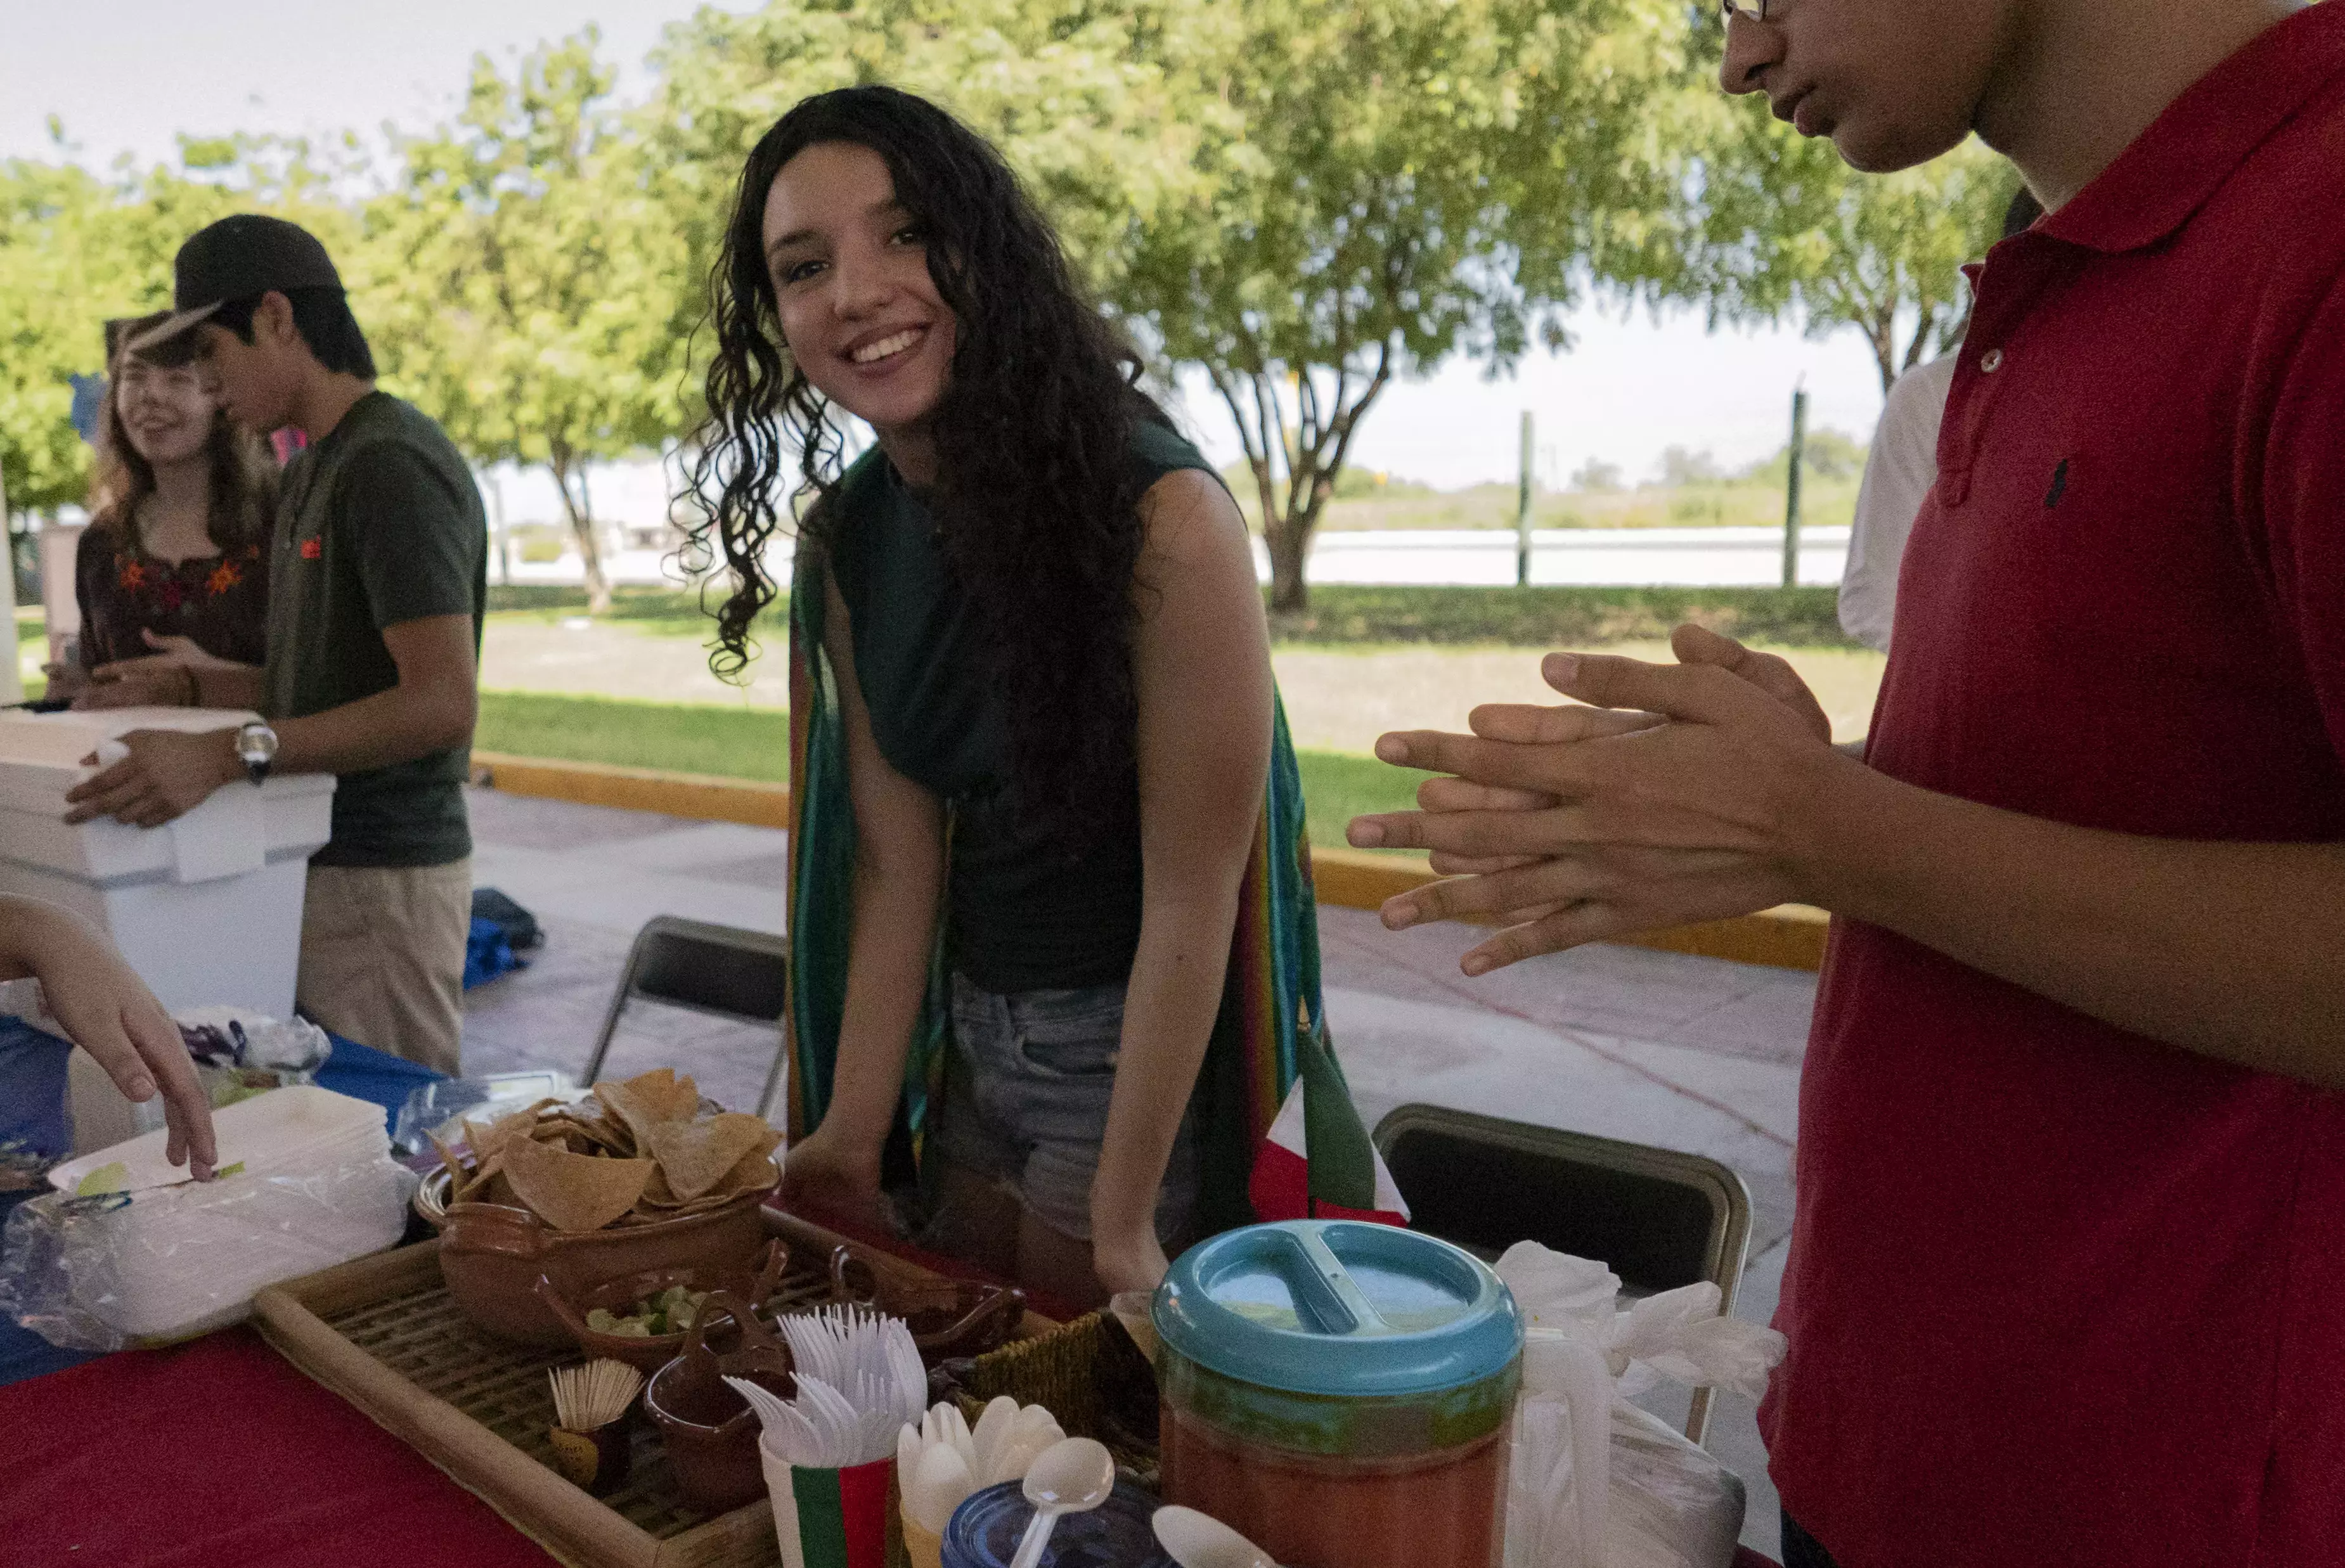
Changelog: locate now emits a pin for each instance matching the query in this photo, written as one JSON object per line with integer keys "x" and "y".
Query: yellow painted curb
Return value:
{"x": 1790, "y": 936}
{"x": 696, "y": 795}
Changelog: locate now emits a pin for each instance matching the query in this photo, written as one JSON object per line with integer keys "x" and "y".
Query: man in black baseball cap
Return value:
{"x": 377, "y": 583}
{"x": 241, "y": 258}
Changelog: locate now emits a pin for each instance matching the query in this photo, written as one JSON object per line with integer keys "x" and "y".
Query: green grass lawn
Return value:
{"x": 1543, "y": 617}
{"x": 754, "y": 743}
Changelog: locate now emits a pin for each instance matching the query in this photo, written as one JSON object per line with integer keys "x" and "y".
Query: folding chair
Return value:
{"x": 1658, "y": 1219}
{"x": 720, "y": 970}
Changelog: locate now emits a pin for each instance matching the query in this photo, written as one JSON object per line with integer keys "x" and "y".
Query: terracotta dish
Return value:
{"x": 949, "y": 1318}
{"x": 493, "y": 1255}
{"x": 647, "y": 1353}
{"x": 710, "y": 1431}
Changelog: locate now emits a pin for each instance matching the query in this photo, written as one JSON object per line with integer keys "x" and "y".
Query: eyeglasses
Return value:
{"x": 1751, "y": 10}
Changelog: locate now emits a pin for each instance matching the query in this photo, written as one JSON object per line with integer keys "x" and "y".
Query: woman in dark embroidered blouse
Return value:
{"x": 175, "y": 559}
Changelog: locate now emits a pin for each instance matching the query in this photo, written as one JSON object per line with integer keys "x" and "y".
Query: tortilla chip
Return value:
{"x": 573, "y": 1191}
{"x": 648, "y": 1098}
{"x": 753, "y": 1172}
{"x": 485, "y": 1142}
{"x": 458, "y": 1173}
{"x": 695, "y": 1156}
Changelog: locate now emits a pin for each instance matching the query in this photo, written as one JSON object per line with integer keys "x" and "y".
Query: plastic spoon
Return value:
{"x": 939, "y": 1484}
{"x": 1073, "y": 1476}
{"x": 992, "y": 1425}
{"x": 1195, "y": 1539}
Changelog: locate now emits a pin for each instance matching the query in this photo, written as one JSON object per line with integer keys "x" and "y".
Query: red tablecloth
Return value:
{"x": 219, "y": 1454}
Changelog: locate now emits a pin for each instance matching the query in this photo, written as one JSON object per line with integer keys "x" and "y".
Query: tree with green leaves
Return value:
{"x": 77, "y": 247}
{"x": 1393, "y": 185}
{"x": 1085, "y": 101}
{"x": 1776, "y": 223}
{"x": 527, "y": 288}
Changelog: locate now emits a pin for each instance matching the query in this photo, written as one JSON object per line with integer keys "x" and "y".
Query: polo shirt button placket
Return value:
{"x": 1990, "y": 361}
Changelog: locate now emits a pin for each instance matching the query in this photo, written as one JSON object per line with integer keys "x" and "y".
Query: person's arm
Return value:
{"x": 1201, "y": 666}
{"x": 1740, "y": 805}
{"x": 177, "y": 673}
{"x": 105, "y": 1009}
{"x": 415, "y": 548}
{"x": 2228, "y": 949}
{"x": 1899, "y": 470}
{"x": 169, "y": 773}
{"x": 899, "y": 878}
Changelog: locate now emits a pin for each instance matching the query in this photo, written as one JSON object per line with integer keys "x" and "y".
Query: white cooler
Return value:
{"x": 208, "y": 909}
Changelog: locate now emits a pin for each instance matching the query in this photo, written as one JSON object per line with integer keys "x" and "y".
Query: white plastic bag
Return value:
{"x": 1597, "y": 1482}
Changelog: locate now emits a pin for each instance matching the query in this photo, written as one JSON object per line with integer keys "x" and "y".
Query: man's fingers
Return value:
{"x": 1771, "y": 672}
{"x": 1448, "y": 865}
{"x": 1700, "y": 692}
{"x": 1444, "y": 794}
{"x": 1546, "y": 769}
{"x": 122, "y": 801}
{"x": 1529, "y": 723}
{"x": 1477, "y": 834}
{"x": 1567, "y": 926}
{"x": 1545, "y": 882}
{"x": 99, "y": 782}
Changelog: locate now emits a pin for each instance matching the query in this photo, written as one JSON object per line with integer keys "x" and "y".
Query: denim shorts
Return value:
{"x": 1026, "y": 1100}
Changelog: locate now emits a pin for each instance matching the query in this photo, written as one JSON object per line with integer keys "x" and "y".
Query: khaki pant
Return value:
{"x": 382, "y": 956}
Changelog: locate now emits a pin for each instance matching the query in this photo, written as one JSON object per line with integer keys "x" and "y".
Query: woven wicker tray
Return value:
{"x": 384, "y": 1334}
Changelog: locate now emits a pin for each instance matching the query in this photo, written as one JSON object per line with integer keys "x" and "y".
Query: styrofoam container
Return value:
{"x": 186, "y": 1259}
{"x": 296, "y": 1127}
{"x": 207, "y": 908}
{"x": 317, "y": 1186}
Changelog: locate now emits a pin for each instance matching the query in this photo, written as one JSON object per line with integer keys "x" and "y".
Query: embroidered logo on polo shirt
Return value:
{"x": 313, "y": 550}
{"x": 2059, "y": 486}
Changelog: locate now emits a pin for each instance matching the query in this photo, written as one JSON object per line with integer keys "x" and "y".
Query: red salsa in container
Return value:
{"x": 1341, "y": 1394}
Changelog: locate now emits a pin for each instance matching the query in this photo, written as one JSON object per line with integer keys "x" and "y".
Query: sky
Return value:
{"x": 129, "y": 76}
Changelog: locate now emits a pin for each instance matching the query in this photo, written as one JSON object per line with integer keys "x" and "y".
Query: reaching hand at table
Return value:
{"x": 1679, "y": 793}
{"x": 107, "y": 1011}
{"x": 822, "y": 1171}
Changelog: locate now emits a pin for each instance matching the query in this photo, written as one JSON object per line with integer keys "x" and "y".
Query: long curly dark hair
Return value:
{"x": 1035, "y": 493}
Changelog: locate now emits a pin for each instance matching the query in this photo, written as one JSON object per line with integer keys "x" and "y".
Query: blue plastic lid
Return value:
{"x": 1336, "y": 1308}
{"x": 988, "y": 1525}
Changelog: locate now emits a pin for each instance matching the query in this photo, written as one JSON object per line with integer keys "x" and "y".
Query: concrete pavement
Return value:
{"x": 1691, "y": 1054}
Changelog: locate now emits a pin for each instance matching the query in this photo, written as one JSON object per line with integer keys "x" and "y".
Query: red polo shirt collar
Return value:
{"x": 2173, "y": 167}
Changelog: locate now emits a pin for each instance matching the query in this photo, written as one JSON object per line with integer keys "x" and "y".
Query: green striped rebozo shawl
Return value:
{"x": 1270, "y": 1031}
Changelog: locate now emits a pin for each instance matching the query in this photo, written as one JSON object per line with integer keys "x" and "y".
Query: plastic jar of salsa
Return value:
{"x": 1342, "y": 1394}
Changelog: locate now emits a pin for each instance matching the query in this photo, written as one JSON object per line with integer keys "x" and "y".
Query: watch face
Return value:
{"x": 256, "y": 743}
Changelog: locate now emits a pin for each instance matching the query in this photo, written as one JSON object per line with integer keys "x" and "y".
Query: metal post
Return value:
{"x": 497, "y": 508}
{"x": 1523, "y": 510}
{"x": 1792, "y": 488}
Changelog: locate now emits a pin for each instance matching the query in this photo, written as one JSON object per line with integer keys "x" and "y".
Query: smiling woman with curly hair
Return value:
{"x": 1035, "y": 718}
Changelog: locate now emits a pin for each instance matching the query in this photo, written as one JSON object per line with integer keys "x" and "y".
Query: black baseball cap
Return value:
{"x": 239, "y": 257}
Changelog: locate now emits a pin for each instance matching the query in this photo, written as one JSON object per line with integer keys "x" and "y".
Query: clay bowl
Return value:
{"x": 710, "y": 1431}
{"x": 949, "y": 1318}
{"x": 647, "y": 1353}
{"x": 493, "y": 1255}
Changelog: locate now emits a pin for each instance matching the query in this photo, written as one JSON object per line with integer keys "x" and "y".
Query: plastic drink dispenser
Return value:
{"x": 1342, "y": 1394}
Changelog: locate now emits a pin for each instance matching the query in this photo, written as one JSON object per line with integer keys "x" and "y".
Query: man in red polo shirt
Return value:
{"x": 2067, "y": 1272}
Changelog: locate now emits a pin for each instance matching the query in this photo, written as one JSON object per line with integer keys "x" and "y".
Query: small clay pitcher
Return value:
{"x": 710, "y": 1431}
{"x": 949, "y": 1318}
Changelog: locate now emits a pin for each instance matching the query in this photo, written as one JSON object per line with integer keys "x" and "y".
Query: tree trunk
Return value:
{"x": 582, "y": 528}
{"x": 1289, "y": 540}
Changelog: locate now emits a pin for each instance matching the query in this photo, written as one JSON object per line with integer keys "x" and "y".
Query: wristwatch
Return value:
{"x": 256, "y": 748}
